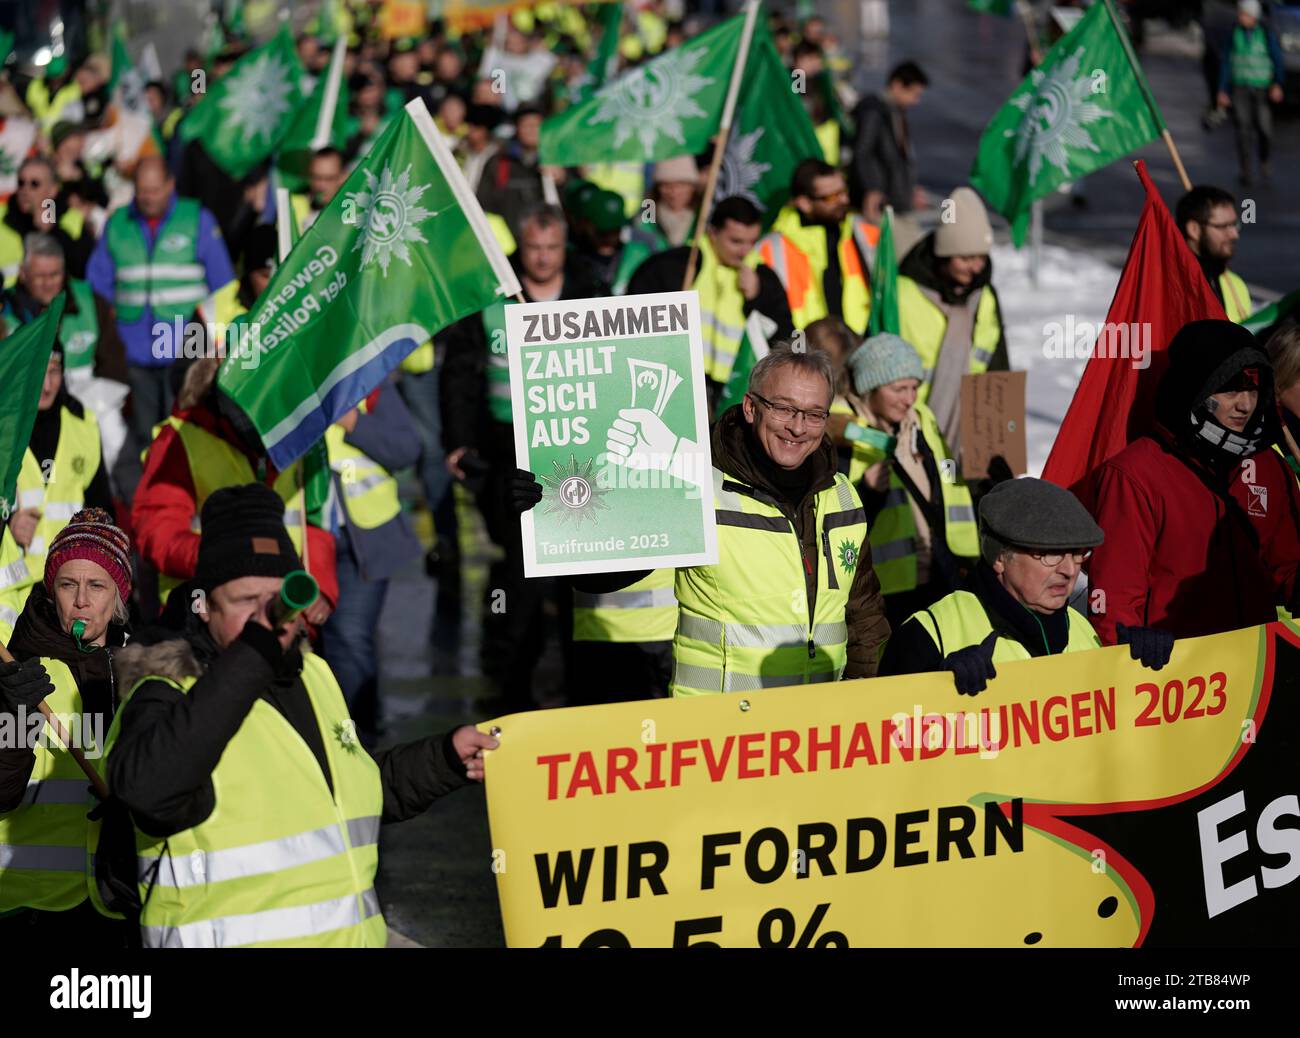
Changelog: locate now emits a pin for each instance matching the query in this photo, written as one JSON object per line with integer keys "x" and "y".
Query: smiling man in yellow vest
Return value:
{"x": 158, "y": 259}
{"x": 794, "y": 599}
{"x": 257, "y": 810}
{"x": 822, "y": 253}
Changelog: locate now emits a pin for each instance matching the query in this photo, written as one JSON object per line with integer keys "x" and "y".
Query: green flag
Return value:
{"x": 24, "y": 356}
{"x": 244, "y": 115}
{"x": 668, "y": 106}
{"x": 127, "y": 82}
{"x": 884, "y": 281}
{"x": 307, "y": 133}
{"x": 1085, "y": 106}
{"x": 6, "y": 45}
{"x": 401, "y": 252}
{"x": 770, "y": 134}
{"x": 605, "y": 64}
{"x": 753, "y": 348}
{"x": 1005, "y": 8}
{"x": 1267, "y": 316}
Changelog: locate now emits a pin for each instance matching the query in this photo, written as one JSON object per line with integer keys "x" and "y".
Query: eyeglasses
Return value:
{"x": 1231, "y": 225}
{"x": 1052, "y": 560}
{"x": 786, "y": 413}
{"x": 830, "y": 196}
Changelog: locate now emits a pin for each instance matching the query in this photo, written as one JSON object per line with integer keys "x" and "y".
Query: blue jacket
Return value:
{"x": 210, "y": 250}
{"x": 1274, "y": 52}
{"x": 387, "y": 435}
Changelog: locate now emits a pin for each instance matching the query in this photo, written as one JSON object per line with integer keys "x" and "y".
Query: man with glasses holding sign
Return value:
{"x": 793, "y": 599}
{"x": 1034, "y": 539}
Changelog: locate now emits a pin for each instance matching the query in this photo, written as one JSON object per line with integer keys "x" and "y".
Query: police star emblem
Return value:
{"x": 346, "y": 733}
{"x": 572, "y": 493}
{"x": 848, "y": 556}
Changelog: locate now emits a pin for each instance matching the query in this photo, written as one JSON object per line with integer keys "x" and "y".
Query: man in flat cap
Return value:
{"x": 1034, "y": 539}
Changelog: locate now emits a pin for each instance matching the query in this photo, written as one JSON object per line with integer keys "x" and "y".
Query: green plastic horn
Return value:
{"x": 298, "y": 592}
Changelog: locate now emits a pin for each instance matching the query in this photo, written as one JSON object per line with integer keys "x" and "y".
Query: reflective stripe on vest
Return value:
{"x": 169, "y": 280}
{"x": 922, "y": 323}
{"x": 498, "y": 365}
{"x": 44, "y": 842}
{"x": 744, "y": 624}
{"x": 798, "y": 255}
{"x": 963, "y": 622}
{"x": 722, "y": 311}
{"x": 259, "y": 858}
{"x": 370, "y": 493}
{"x": 273, "y": 925}
{"x": 644, "y": 612}
{"x": 1252, "y": 65}
{"x": 280, "y": 860}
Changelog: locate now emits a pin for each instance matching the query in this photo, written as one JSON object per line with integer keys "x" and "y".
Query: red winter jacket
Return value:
{"x": 165, "y": 503}
{"x": 1178, "y": 556}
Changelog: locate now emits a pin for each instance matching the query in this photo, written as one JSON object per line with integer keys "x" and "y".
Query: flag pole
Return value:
{"x": 724, "y": 131}
{"x": 285, "y": 233}
{"x": 1136, "y": 66}
{"x": 1031, "y": 33}
{"x": 325, "y": 117}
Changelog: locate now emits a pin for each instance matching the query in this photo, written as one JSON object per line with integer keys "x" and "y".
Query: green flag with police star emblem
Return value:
{"x": 668, "y": 106}
{"x": 244, "y": 115}
{"x": 401, "y": 252}
{"x": 1085, "y": 106}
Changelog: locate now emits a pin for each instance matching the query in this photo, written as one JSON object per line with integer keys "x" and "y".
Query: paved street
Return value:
{"x": 974, "y": 62}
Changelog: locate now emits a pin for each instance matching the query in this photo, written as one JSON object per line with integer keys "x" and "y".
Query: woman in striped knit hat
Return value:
{"x": 63, "y": 644}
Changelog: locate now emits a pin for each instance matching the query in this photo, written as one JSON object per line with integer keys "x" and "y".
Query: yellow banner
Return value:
{"x": 1082, "y": 800}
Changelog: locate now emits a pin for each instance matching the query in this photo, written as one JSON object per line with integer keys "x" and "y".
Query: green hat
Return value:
{"x": 604, "y": 209}
{"x": 575, "y": 192}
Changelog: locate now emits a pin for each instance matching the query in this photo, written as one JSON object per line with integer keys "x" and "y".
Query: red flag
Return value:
{"x": 1161, "y": 288}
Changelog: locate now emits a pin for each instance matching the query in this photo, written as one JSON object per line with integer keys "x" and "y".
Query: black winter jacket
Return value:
{"x": 161, "y": 765}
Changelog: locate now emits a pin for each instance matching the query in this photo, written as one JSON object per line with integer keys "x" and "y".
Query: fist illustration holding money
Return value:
{"x": 639, "y": 439}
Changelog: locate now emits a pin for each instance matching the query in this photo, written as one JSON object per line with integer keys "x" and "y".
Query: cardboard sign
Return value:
{"x": 608, "y": 408}
{"x": 993, "y": 422}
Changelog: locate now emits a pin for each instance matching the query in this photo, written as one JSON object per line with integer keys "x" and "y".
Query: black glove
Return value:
{"x": 525, "y": 491}
{"x": 24, "y": 684}
{"x": 1147, "y": 644}
{"x": 972, "y": 667}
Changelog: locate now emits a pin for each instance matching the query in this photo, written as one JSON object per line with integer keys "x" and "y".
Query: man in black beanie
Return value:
{"x": 1202, "y": 517}
{"x": 243, "y": 772}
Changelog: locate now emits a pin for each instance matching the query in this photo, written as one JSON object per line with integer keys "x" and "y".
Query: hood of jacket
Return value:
{"x": 1203, "y": 357}
{"x": 922, "y": 266}
{"x": 175, "y": 658}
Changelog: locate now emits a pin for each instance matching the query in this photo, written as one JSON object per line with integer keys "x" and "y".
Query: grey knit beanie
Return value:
{"x": 883, "y": 359}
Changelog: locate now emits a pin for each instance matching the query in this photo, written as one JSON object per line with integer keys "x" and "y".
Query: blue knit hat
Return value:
{"x": 882, "y": 359}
